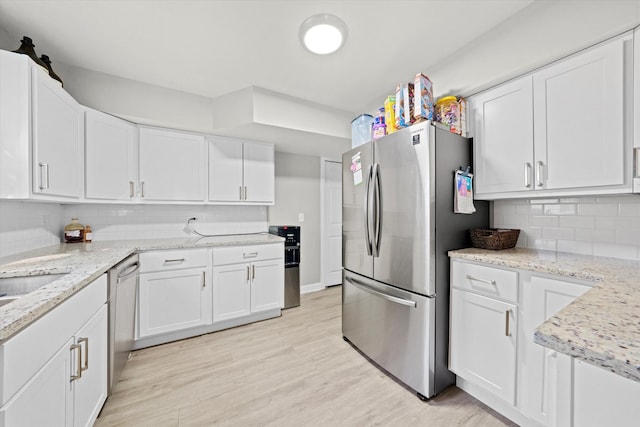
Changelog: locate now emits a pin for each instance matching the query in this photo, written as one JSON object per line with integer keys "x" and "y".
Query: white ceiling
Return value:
{"x": 215, "y": 47}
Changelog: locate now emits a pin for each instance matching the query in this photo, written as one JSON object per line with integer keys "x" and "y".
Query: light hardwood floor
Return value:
{"x": 295, "y": 370}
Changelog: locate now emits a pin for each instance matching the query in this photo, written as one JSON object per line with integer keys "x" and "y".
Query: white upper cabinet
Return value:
{"x": 563, "y": 130}
{"x": 41, "y": 134}
{"x": 111, "y": 157}
{"x": 241, "y": 172}
{"x": 173, "y": 166}
{"x": 579, "y": 120}
{"x": 504, "y": 137}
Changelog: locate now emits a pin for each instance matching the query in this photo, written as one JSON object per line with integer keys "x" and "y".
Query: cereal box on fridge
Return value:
{"x": 399, "y": 108}
{"x": 423, "y": 105}
{"x": 408, "y": 104}
{"x": 390, "y": 114}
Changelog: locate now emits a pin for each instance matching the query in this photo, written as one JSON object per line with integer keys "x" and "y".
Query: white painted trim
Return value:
{"x": 312, "y": 287}
{"x": 323, "y": 240}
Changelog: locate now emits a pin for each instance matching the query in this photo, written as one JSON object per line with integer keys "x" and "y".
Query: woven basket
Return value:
{"x": 494, "y": 238}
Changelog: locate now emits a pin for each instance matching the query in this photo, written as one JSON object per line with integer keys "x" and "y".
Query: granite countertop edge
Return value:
{"x": 602, "y": 326}
{"x": 83, "y": 263}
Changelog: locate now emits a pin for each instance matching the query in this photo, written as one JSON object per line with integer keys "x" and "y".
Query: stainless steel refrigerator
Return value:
{"x": 398, "y": 224}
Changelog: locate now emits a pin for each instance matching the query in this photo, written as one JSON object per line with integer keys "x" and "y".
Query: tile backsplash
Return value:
{"x": 30, "y": 225}
{"x": 603, "y": 226}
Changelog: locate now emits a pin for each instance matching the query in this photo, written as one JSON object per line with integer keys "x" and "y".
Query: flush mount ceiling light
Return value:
{"x": 323, "y": 34}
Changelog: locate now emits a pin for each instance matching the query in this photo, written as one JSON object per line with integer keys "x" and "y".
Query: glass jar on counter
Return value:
{"x": 74, "y": 231}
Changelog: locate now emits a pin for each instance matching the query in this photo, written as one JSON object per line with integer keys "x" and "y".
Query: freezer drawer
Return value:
{"x": 392, "y": 327}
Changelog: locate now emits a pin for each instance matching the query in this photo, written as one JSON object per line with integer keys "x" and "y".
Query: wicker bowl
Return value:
{"x": 494, "y": 238}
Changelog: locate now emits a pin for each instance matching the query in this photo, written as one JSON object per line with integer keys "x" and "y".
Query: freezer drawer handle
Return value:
{"x": 488, "y": 282}
{"x": 366, "y": 288}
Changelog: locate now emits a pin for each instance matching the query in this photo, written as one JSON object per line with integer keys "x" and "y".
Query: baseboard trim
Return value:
{"x": 311, "y": 287}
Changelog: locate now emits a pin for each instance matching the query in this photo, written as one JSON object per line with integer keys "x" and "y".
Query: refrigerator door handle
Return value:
{"x": 358, "y": 284}
{"x": 367, "y": 216}
{"x": 377, "y": 201}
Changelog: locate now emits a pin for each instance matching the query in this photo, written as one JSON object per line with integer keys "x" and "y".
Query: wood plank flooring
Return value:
{"x": 295, "y": 370}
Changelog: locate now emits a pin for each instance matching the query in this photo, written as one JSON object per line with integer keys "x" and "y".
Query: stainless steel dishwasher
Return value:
{"x": 122, "y": 291}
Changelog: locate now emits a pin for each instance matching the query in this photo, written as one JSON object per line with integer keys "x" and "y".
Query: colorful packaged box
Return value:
{"x": 409, "y": 104}
{"x": 399, "y": 108}
{"x": 464, "y": 130}
{"x": 390, "y": 113}
{"x": 423, "y": 104}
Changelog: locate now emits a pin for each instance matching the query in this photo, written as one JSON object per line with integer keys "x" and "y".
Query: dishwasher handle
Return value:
{"x": 128, "y": 271}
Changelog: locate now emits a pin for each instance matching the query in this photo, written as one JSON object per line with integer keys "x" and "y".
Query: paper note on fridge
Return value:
{"x": 463, "y": 193}
{"x": 356, "y": 168}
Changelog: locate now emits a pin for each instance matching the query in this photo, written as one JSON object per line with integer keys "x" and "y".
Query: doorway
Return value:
{"x": 331, "y": 171}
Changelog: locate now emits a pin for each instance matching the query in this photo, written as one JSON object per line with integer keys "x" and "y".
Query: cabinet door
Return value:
{"x": 542, "y": 298}
{"x": 259, "y": 173}
{"x": 231, "y": 291}
{"x": 57, "y": 139}
{"x": 172, "y": 166}
{"x": 483, "y": 342}
{"x": 225, "y": 171}
{"x": 580, "y": 122}
{"x": 636, "y": 108}
{"x": 111, "y": 157}
{"x": 503, "y": 144}
{"x": 173, "y": 300}
{"x": 91, "y": 388}
{"x": 267, "y": 285}
{"x": 47, "y": 399}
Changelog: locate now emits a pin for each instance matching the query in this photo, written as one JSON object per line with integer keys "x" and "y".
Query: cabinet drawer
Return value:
{"x": 237, "y": 254}
{"x": 489, "y": 281}
{"x": 174, "y": 259}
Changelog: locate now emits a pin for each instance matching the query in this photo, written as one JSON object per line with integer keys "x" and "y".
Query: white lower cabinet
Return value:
{"x": 247, "y": 280}
{"x": 494, "y": 314}
{"x": 483, "y": 344}
{"x": 54, "y": 372}
{"x": 176, "y": 295}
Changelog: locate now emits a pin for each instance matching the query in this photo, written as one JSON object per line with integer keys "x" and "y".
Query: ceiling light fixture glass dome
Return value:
{"x": 323, "y": 34}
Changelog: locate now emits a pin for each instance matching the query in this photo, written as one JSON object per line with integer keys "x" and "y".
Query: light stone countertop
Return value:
{"x": 601, "y": 327}
{"x": 85, "y": 262}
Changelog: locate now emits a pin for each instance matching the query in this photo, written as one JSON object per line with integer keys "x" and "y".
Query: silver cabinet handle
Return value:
{"x": 44, "y": 176}
{"x": 539, "y": 172}
{"x": 527, "y": 175}
{"x": 364, "y": 287}
{"x": 142, "y": 189}
{"x": 248, "y": 274}
{"x": 507, "y": 332}
{"x": 174, "y": 260}
{"x": 637, "y": 162}
{"x": 253, "y": 272}
{"x": 245, "y": 192}
{"x": 86, "y": 353}
{"x": 488, "y": 282}
{"x": 131, "y": 190}
{"x": 241, "y": 192}
{"x": 249, "y": 255}
{"x": 78, "y": 374}
{"x": 204, "y": 279}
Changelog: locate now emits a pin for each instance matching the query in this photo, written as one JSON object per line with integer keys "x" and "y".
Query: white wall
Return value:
{"x": 601, "y": 226}
{"x": 298, "y": 191}
{"x": 29, "y": 225}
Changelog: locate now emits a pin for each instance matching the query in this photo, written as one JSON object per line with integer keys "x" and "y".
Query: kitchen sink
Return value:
{"x": 12, "y": 288}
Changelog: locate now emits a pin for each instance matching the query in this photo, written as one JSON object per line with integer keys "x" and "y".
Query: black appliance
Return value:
{"x": 291, "y": 234}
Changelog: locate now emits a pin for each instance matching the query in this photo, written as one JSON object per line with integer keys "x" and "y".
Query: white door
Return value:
{"x": 267, "y": 285}
{"x": 173, "y": 166}
{"x": 332, "y": 219}
{"x": 579, "y": 111}
{"x": 225, "y": 170}
{"x": 111, "y": 157}
{"x": 57, "y": 139}
{"x": 173, "y": 300}
{"x": 91, "y": 388}
{"x": 503, "y": 143}
{"x": 636, "y": 108}
{"x": 231, "y": 291}
{"x": 482, "y": 347}
{"x": 259, "y": 172}
{"x": 47, "y": 399}
{"x": 542, "y": 298}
